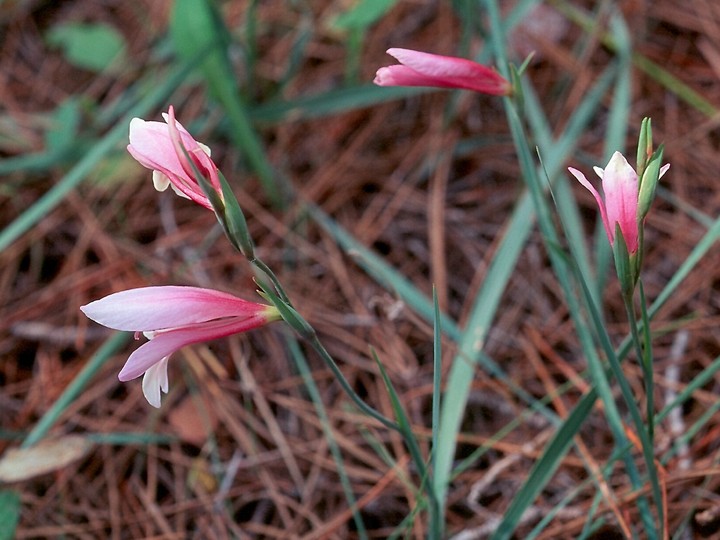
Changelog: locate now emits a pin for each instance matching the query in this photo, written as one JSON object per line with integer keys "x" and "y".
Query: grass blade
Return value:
{"x": 544, "y": 468}
{"x": 9, "y": 513}
{"x": 198, "y": 30}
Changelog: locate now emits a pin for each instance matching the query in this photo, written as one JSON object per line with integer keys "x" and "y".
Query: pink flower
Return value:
{"x": 620, "y": 206}
{"x": 159, "y": 147}
{"x": 425, "y": 69}
{"x": 171, "y": 318}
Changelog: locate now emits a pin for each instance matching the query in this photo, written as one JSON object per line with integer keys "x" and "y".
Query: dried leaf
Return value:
{"x": 23, "y": 463}
{"x": 191, "y": 424}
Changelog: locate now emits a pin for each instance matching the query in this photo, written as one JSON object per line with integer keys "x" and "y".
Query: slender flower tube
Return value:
{"x": 171, "y": 318}
{"x": 425, "y": 69}
{"x": 163, "y": 147}
{"x": 620, "y": 205}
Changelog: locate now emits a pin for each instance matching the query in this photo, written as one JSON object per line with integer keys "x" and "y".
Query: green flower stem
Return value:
{"x": 404, "y": 429}
{"x": 306, "y": 331}
{"x": 235, "y": 227}
{"x": 301, "y": 326}
{"x": 265, "y": 269}
{"x": 364, "y": 407}
{"x": 643, "y": 358}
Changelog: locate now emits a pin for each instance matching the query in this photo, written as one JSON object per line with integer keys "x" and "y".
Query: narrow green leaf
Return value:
{"x": 362, "y": 15}
{"x": 700, "y": 380}
{"x": 412, "y": 444}
{"x": 331, "y": 102}
{"x": 9, "y": 513}
{"x": 398, "y": 410}
{"x": 197, "y": 29}
{"x": 436, "y": 520}
{"x": 644, "y": 142}
{"x": 544, "y": 468}
{"x": 437, "y": 376}
{"x": 64, "y": 124}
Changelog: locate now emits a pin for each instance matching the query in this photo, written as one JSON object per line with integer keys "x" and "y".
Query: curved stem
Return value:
{"x": 265, "y": 269}
{"x": 308, "y": 332}
{"x": 367, "y": 409}
{"x": 310, "y": 335}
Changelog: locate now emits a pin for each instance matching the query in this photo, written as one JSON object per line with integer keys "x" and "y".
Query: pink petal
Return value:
{"x": 156, "y": 308}
{"x": 436, "y": 65}
{"x": 167, "y": 342}
{"x": 399, "y": 76}
{"x": 601, "y": 204}
{"x": 405, "y": 76}
{"x": 620, "y": 185}
{"x": 443, "y": 71}
{"x": 151, "y": 146}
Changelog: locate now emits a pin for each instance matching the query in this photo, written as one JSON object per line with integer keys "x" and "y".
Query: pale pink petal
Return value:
{"x": 155, "y": 380}
{"x": 150, "y": 141}
{"x": 601, "y": 204}
{"x": 156, "y": 308}
{"x": 151, "y": 146}
{"x": 620, "y": 186}
{"x": 663, "y": 170}
{"x": 436, "y": 65}
{"x": 165, "y": 343}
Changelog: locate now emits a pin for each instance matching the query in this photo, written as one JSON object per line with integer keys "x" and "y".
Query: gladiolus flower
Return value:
{"x": 171, "y": 318}
{"x": 163, "y": 147}
{"x": 425, "y": 69}
{"x": 620, "y": 205}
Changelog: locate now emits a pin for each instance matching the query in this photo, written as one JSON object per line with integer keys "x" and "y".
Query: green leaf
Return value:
{"x": 362, "y": 15}
{"x": 648, "y": 183}
{"x": 544, "y": 468}
{"x": 63, "y": 129}
{"x": 644, "y": 143}
{"x": 96, "y": 47}
{"x": 9, "y": 513}
{"x": 237, "y": 229}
